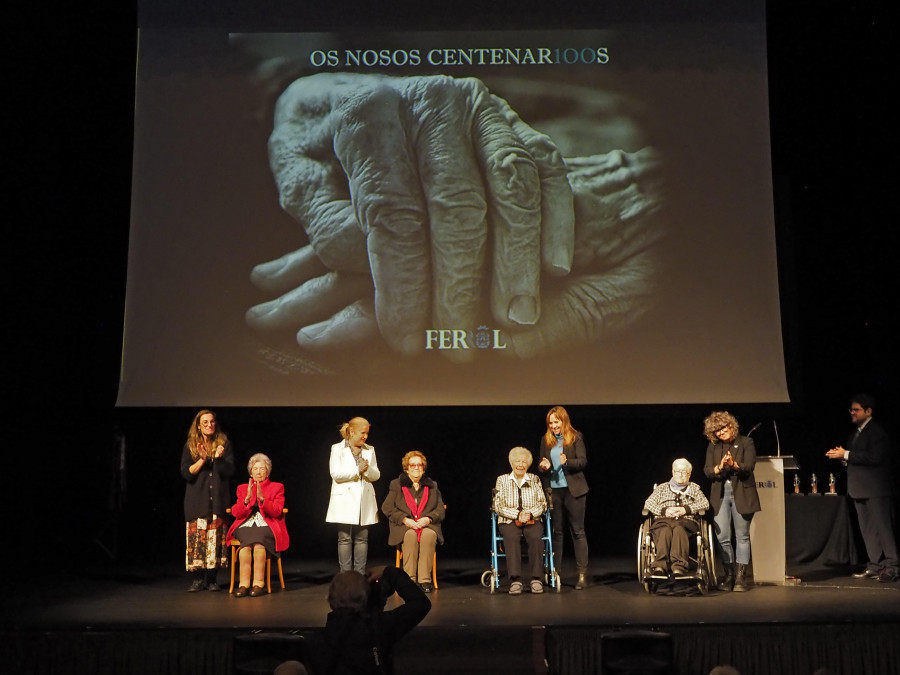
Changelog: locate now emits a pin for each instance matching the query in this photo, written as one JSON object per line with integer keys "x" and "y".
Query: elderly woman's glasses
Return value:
{"x": 416, "y": 466}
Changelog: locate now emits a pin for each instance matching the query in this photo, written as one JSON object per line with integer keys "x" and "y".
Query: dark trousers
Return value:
{"x": 571, "y": 509}
{"x": 512, "y": 545}
{"x": 876, "y": 522}
{"x": 670, "y": 536}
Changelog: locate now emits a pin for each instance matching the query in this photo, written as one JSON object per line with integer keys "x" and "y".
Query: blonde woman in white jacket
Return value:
{"x": 352, "y": 505}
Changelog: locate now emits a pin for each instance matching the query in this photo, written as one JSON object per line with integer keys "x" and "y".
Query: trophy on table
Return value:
{"x": 832, "y": 492}
{"x": 813, "y": 485}
{"x": 797, "y": 484}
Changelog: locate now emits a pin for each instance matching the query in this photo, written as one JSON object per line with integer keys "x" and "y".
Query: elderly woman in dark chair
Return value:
{"x": 258, "y": 525}
{"x": 670, "y": 502}
{"x": 519, "y": 502}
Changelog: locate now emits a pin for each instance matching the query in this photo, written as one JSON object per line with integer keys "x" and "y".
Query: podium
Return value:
{"x": 767, "y": 541}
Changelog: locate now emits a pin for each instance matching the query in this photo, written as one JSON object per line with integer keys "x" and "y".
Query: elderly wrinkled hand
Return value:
{"x": 675, "y": 512}
{"x": 408, "y": 178}
{"x": 399, "y": 204}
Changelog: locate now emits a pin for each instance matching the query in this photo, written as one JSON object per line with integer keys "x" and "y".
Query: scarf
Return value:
{"x": 416, "y": 509}
{"x": 675, "y": 487}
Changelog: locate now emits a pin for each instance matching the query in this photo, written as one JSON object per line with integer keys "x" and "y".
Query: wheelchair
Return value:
{"x": 491, "y": 578}
{"x": 702, "y": 560}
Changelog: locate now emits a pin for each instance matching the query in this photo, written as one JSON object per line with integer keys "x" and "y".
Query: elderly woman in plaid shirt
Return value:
{"x": 519, "y": 503}
{"x": 671, "y": 502}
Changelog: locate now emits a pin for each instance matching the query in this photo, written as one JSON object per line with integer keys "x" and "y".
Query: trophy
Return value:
{"x": 797, "y": 484}
{"x": 831, "y": 491}
{"x": 813, "y": 485}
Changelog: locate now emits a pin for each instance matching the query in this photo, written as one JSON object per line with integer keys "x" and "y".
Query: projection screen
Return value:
{"x": 448, "y": 218}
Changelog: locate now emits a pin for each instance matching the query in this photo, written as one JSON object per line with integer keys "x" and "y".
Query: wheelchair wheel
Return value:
{"x": 711, "y": 557}
{"x": 706, "y": 562}
{"x": 703, "y": 584}
{"x": 487, "y": 579}
{"x": 641, "y": 563}
{"x": 643, "y": 558}
{"x": 557, "y": 581}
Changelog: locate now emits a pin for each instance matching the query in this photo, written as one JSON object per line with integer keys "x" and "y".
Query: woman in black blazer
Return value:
{"x": 562, "y": 464}
{"x": 730, "y": 460}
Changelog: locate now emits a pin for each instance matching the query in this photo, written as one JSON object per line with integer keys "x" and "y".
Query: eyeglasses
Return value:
{"x": 856, "y": 409}
{"x": 681, "y": 472}
{"x": 207, "y": 424}
{"x": 416, "y": 466}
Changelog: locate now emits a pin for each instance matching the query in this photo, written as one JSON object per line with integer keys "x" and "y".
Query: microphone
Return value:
{"x": 754, "y": 428}
{"x": 777, "y": 440}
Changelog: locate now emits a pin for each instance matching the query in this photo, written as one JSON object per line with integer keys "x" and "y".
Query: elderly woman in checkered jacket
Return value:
{"x": 520, "y": 503}
{"x": 671, "y": 502}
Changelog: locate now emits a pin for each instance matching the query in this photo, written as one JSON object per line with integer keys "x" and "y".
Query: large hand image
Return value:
{"x": 429, "y": 204}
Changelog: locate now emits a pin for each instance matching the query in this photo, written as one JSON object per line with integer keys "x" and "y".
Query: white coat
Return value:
{"x": 352, "y": 495}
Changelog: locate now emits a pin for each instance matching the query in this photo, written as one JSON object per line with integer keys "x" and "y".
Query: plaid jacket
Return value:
{"x": 692, "y": 498}
{"x": 506, "y": 497}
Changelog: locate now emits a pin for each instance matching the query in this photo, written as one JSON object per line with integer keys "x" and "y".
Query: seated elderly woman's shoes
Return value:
{"x": 537, "y": 586}
{"x": 515, "y": 588}
{"x": 241, "y": 592}
{"x": 256, "y": 591}
{"x": 197, "y": 585}
{"x": 213, "y": 586}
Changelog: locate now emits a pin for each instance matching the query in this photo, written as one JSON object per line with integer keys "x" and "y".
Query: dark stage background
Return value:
{"x": 71, "y": 163}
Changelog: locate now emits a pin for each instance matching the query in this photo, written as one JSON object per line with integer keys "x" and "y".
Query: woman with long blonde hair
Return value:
{"x": 207, "y": 463}
{"x": 562, "y": 464}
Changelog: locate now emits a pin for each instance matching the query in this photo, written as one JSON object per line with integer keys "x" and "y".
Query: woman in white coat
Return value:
{"x": 352, "y": 506}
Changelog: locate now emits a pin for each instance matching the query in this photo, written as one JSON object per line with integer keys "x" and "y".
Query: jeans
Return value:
{"x": 725, "y": 516}
{"x": 353, "y": 547}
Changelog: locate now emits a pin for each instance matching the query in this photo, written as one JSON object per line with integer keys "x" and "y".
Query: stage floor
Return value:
{"x": 135, "y": 598}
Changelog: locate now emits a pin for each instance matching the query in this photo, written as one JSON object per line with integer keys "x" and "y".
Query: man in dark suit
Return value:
{"x": 869, "y": 484}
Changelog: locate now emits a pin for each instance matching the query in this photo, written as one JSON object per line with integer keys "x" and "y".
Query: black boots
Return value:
{"x": 740, "y": 582}
{"x": 735, "y": 578}
{"x": 728, "y": 582}
{"x": 581, "y": 584}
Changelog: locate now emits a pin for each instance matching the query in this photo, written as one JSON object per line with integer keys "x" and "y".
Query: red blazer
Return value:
{"x": 272, "y": 511}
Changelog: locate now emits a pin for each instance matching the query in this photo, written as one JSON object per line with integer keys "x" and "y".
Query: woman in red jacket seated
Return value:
{"x": 258, "y": 525}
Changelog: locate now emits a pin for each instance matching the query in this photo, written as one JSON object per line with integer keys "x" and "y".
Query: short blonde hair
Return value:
{"x": 355, "y": 423}
{"x": 519, "y": 451}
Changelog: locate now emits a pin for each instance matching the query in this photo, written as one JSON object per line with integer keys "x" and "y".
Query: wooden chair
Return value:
{"x": 399, "y": 559}
{"x": 235, "y": 547}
